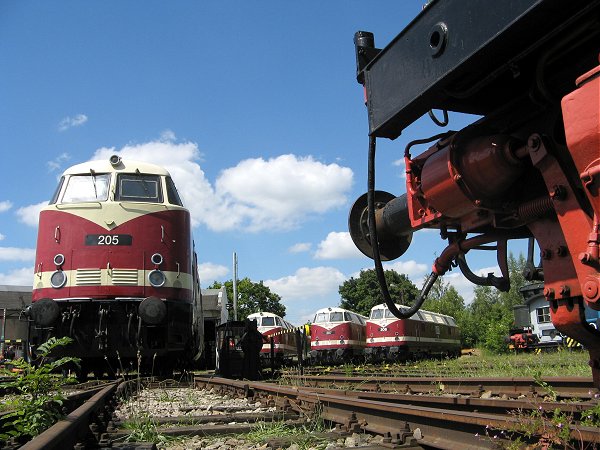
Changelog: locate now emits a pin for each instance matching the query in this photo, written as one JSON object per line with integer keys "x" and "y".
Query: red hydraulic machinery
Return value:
{"x": 529, "y": 167}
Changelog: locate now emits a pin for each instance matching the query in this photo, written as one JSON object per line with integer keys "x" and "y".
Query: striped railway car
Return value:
{"x": 425, "y": 334}
{"x": 116, "y": 269}
{"x": 281, "y": 331}
{"x": 336, "y": 336}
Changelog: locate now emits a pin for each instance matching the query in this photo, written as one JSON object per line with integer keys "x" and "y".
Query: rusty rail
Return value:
{"x": 78, "y": 427}
{"x": 437, "y": 422}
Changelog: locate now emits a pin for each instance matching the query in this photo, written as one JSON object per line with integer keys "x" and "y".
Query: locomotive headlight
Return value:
{"x": 58, "y": 279}
{"x": 59, "y": 260}
{"x": 156, "y": 259}
{"x": 156, "y": 278}
{"x": 115, "y": 160}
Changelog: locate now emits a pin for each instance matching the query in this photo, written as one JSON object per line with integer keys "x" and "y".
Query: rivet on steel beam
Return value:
{"x": 546, "y": 253}
{"x": 562, "y": 250}
{"x": 590, "y": 289}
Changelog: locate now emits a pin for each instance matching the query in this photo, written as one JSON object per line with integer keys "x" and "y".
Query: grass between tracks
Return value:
{"x": 478, "y": 364}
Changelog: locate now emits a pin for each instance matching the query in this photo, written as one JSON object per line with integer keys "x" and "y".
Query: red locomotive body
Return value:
{"x": 425, "y": 334}
{"x": 115, "y": 268}
{"x": 280, "y": 331}
{"x": 336, "y": 335}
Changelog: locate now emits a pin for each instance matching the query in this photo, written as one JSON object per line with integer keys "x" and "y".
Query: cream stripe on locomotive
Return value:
{"x": 411, "y": 339}
{"x": 279, "y": 346}
{"x": 337, "y": 342}
{"x": 113, "y": 277}
{"x": 109, "y": 215}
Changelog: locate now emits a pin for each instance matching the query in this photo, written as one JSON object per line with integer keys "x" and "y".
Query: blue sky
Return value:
{"x": 252, "y": 106}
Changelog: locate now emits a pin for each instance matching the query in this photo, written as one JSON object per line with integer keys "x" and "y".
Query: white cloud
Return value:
{"x": 57, "y": 162}
{"x": 402, "y": 165}
{"x": 255, "y": 195}
{"x": 30, "y": 215}
{"x": 210, "y": 272}
{"x": 300, "y": 247}
{"x": 17, "y": 254}
{"x": 308, "y": 282}
{"x": 411, "y": 269}
{"x": 2, "y": 237}
{"x": 5, "y": 205}
{"x": 281, "y": 192}
{"x": 70, "y": 122}
{"x": 18, "y": 277}
{"x": 337, "y": 245}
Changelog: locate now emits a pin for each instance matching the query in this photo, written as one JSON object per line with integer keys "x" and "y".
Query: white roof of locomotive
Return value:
{"x": 263, "y": 314}
{"x": 336, "y": 309}
{"x": 384, "y": 306}
{"x": 124, "y": 166}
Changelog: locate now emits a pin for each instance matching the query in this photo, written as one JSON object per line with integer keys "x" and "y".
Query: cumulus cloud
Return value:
{"x": 70, "y": 122}
{"x": 401, "y": 164}
{"x": 300, "y": 247}
{"x": 281, "y": 192}
{"x": 29, "y": 215}
{"x": 411, "y": 269}
{"x": 257, "y": 194}
{"x": 307, "y": 282}
{"x": 5, "y": 205}
{"x": 2, "y": 237}
{"x": 17, "y": 254}
{"x": 337, "y": 245}
{"x": 57, "y": 162}
{"x": 18, "y": 277}
{"x": 210, "y": 272}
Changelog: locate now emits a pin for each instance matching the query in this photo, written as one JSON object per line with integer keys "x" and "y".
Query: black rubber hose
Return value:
{"x": 375, "y": 245}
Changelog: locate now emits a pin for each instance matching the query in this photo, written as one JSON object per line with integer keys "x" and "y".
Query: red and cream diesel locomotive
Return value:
{"x": 115, "y": 268}
{"x": 425, "y": 334}
{"x": 336, "y": 336}
{"x": 281, "y": 331}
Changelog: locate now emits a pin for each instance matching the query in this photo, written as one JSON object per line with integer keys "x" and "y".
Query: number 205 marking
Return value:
{"x": 108, "y": 239}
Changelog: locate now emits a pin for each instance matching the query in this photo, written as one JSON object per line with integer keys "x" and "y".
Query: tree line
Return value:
{"x": 485, "y": 322}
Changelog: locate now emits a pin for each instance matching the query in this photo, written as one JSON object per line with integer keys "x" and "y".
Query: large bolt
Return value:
{"x": 548, "y": 292}
{"x": 590, "y": 289}
{"x": 565, "y": 290}
{"x": 533, "y": 142}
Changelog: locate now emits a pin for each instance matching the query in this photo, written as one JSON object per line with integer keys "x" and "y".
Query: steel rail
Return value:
{"x": 75, "y": 428}
{"x": 561, "y": 387}
{"x": 438, "y": 425}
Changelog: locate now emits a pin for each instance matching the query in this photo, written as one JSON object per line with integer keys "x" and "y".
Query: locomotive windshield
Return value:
{"x": 90, "y": 187}
{"x": 377, "y": 314}
{"x": 138, "y": 188}
{"x": 320, "y": 318}
{"x": 336, "y": 317}
{"x": 268, "y": 321}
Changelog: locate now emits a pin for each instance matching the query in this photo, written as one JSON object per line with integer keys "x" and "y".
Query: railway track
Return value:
{"x": 510, "y": 387}
{"x": 433, "y": 413}
{"x": 431, "y": 421}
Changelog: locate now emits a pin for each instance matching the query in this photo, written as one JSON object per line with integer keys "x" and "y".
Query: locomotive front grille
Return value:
{"x": 88, "y": 277}
{"x": 127, "y": 277}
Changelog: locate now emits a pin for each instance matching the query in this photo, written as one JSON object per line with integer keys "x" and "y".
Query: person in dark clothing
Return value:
{"x": 251, "y": 343}
{"x": 10, "y": 353}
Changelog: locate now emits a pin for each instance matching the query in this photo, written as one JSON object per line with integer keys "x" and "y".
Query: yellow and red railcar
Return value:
{"x": 281, "y": 331}
{"x": 336, "y": 336}
{"x": 116, "y": 269}
{"x": 425, "y": 334}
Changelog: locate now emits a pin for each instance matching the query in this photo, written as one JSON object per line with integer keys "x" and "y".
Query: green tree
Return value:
{"x": 252, "y": 298}
{"x": 362, "y": 293}
{"x": 444, "y": 299}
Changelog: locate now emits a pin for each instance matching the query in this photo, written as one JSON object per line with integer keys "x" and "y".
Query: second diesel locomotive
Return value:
{"x": 281, "y": 332}
{"x": 116, "y": 269}
{"x": 425, "y": 334}
{"x": 336, "y": 336}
